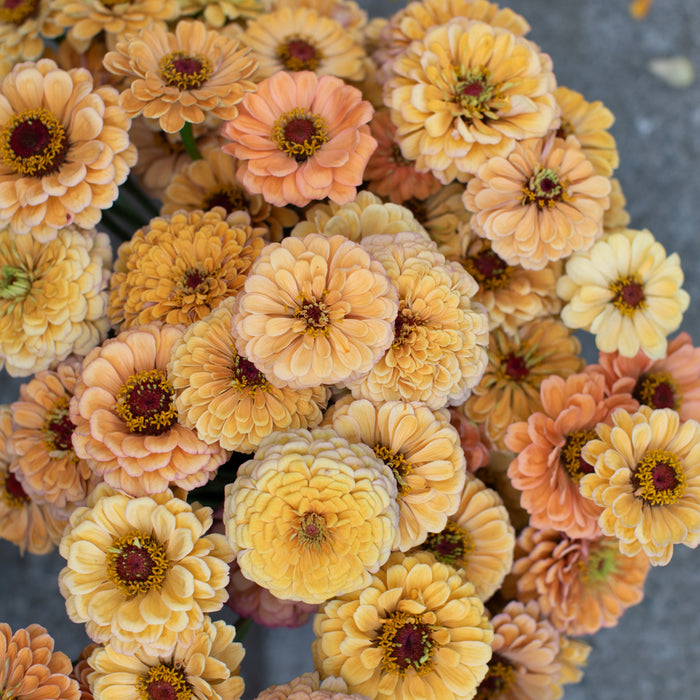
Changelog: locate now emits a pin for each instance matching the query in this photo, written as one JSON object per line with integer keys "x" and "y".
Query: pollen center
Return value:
{"x": 145, "y": 403}
{"x": 659, "y": 478}
{"x": 33, "y": 143}
{"x": 245, "y": 375}
{"x": 515, "y": 367}
{"x": 58, "y": 427}
{"x": 657, "y": 390}
{"x": 16, "y": 11}
{"x": 475, "y": 95}
{"x": 298, "y": 53}
{"x": 163, "y": 682}
{"x": 136, "y": 563}
{"x": 299, "y": 133}
{"x": 315, "y": 314}
{"x": 398, "y": 464}
{"x": 544, "y": 189}
{"x": 229, "y": 197}
{"x": 12, "y": 492}
{"x": 628, "y": 294}
{"x": 451, "y": 546}
{"x": 570, "y": 455}
{"x": 404, "y": 325}
{"x": 500, "y": 677}
{"x": 488, "y": 269}
{"x": 406, "y": 642}
{"x": 185, "y": 71}
{"x": 312, "y": 529}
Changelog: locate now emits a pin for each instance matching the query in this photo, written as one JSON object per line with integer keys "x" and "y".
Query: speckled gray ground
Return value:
{"x": 600, "y": 51}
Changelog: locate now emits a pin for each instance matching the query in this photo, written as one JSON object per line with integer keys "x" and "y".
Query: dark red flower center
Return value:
{"x": 451, "y": 546}
{"x": 162, "y": 690}
{"x": 657, "y": 390}
{"x": 407, "y": 642}
{"x": 300, "y": 133}
{"x": 628, "y": 294}
{"x": 136, "y": 563}
{"x": 61, "y": 429}
{"x": 16, "y": 11}
{"x": 164, "y": 682}
{"x": 185, "y": 71}
{"x": 488, "y": 269}
{"x": 473, "y": 88}
{"x": 312, "y": 529}
{"x": 659, "y": 479}
{"x": 298, "y": 53}
{"x": 14, "y": 489}
{"x": 229, "y": 197}
{"x": 315, "y": 314}
{"x": 193, "y": 278}
{"x": 299, "y": 130}
{"x": 498, "y": 679}
{"x": 145, "y": 403}
{"x": 544, "y": 189}
{"x": 246, "y": 374}
{"x": 516, "y": 367}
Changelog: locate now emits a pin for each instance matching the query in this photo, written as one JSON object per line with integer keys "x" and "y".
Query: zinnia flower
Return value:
{"x": 301, "y": 137}
{"x": 221, "y": 13}
{"x": 524, "y": 665}
{"x": 81, "y": 671}
{"x": 581, "y": 585}
{"x": 207, "y": 668}
{"x": 478, "y": 539}
{"x": 222, "y": 396}
{"x": 314, "y": 310}
{"x": 22, "y": 25}
{"x": 647, "y": 480}
{"x": 509, "y": 391}
{"x": 438, "y": 350}
{"x": 573, "y": 656}
{"x": 417, "y": 631}
{"x": 178, "y": 268}
{"x": 31, "y": 669}
{"x": 540, "y": 203}
{"x": 141, "y": 572}
{"x": 125, "y": 421}
{"x": 442, "y": 214}
{"x": 53, "y": 300}
{"x": 312, "y": 515}
{"x": 476, "y": 447}
{"x": 423, "y": 451}
{"x": 44, "y": 460}
{"x": 626, "y": 291}
{"x": 182, "y": 76}
{"x": 301, "y": 39}
{"x": 548, "y": 466}
{"x": 308, "y": 687}
{"x": 464, "y": 93}
{"x": 64, "y": 149}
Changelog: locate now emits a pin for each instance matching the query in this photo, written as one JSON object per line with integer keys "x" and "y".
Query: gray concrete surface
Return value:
{"x": 597, "y": 49}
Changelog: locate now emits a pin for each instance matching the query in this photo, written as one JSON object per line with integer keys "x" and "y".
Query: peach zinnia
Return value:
{"x": 647, "y": 480}
{"x": 464, "y": 93}
{"x": 141, "y": 572}
{"x": 540, "y": 203}
{"x": 312, "y": 515}
{"x": 308, "y": 686}
{"x": 300, "y": 138}
{"x": 417, "y": 631}
{"x": 126, "y": 421}
{"x": 182, "y": 76}
{"x": 64, "y": 149}
{"x": 225, "y": 398}
{"x": 548, "y": 466}
{"x": 314, "y": 310}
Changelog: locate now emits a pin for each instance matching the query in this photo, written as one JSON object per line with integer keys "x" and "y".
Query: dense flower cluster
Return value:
{"x": 331, "y": 370}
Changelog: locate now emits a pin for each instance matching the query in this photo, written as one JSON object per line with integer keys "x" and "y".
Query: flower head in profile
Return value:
{"x": 53, "y": 300}
{"x": 64, "y": 149}
{"x": 312, "y": 515}
{"x": 225, "y": 398}
{"x": 22, "y": 25}
{"x": 206, "y": 667}
{"x": 125, "y": 419}
{"x": 182, "y": 76}
{"x": 647, "y": 481}
{"x": 221, "y": 13}
{"x": 465, "y": 92}
{"x": 178, "y": 268}
{"x": 539, "y": 203}
{"x": 581, "y": 585}
{"x": 443, "y": 214}
{"x": 626, "y": 291}
{"x": 301, "y": 137}
{"x": 142, "y": 572}
{"x": 308, "y": 686}
{"x": 417, "y": 631}
{"x": 31, "y": 669}
{"x": 314, "y": 310}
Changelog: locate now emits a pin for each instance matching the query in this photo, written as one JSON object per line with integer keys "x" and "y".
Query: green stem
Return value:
{"x": 189, "y": 142}
{"x": 242, "y": 626}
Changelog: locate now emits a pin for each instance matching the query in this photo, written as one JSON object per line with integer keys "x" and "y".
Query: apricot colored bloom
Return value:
{"x": 64, "y": 149}
{"x": 308, "y": 687}
{"x": 141, "y": 572}
{"x": 589, "y": 122}
{"x": 35, "y": 528}
{"x": 300, "y": 138}
{"x": 314, "y": 310}
{"x": 388, "y": 173}
{"x": 442, "y": 214}
{"x": 647, "y": 480}
{"x": 581, "y": 585}
{"x": 511, "y": 294}
{"x": 548, "y": 466}
{"x": 364, "y": 216}
{"x": 671, "y": 382}
{"x": 31, "y": 669}
{"x": 53, "y": 300}
{"x": 211, "y": 182}
{"x": 219, "y": 13}
{"x": 464, "y": 93}
{"x": 81, "y": 671}
{"x": 125, "y": 420}
{"x": 180, "y": 267}
{"x": 22, "y": 25}
{"x": 206, "y": 668}
{"x": 438, "y": 352}
{"x": 626, "y": 291}
{"x": 247, "y": 599}
{"x": 525, "y": 664}
{"x": 348, "y": 13}
{"x": 478, "y": 538}
{"x": 540, "y": 203}
{"x": 182, "y": 76}
{"x": 44, "y": 460}
{"x": 312, "y": 515}
{"x": 573, "y": 656}
{"x": 474, "y": 445}
{"x": 417, "y": 631}
{"x": 509, "y": 390}
{"x": 301, "y": 39}
{"x": 423, "y": 451}
{"x": 224, "y": 398}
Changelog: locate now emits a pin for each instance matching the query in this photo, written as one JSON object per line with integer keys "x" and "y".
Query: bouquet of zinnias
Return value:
{"x": 335, "y": 373}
